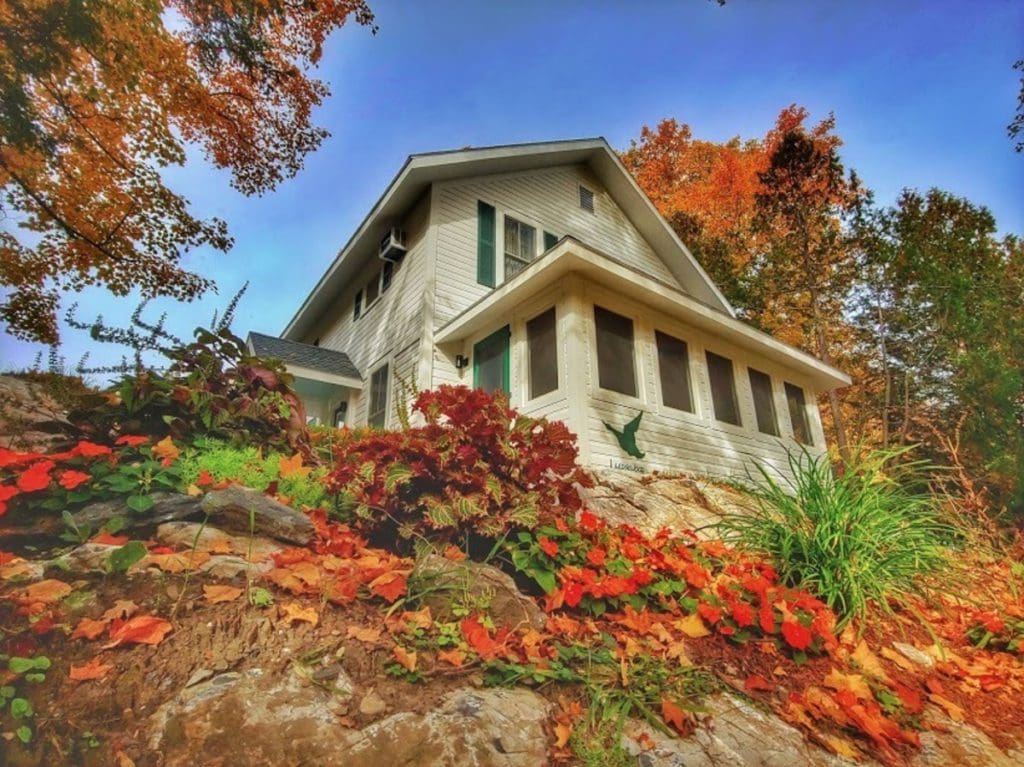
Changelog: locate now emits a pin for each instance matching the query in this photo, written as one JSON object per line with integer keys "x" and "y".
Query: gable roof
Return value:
{"x": 422, "y": 170}
{"x": 302, "y": 355}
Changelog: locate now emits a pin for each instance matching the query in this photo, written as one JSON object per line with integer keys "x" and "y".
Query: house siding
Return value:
{"x": 547, "y": 199}
{"x": 674, "y": 440}
{"x": 392, "y": 325}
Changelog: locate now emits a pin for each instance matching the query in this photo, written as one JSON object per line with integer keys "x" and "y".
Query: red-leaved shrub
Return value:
{"x": 476, "y": 467}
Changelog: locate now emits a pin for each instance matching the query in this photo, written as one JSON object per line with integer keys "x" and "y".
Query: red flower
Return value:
{"x": 992, "y": 622}
{"x": 91, "y": 449}
{"x": 709, "y": 613}
{"x": 796, "y": 635}
{"x": 36, "y": 477}
{"x": 13, "y": 458}
{"x": 547, "y": 545}
{"x": 6, "y": 493}
{"x": 69, "y": 480}
{"x": 205, "y": 478}
{"x": 589, "y": 522}
{"x": 573, "y": 594}
{"x": 742, "y": 613}
{"x": 132, "y": 440}
{"x": 596, "y": 556}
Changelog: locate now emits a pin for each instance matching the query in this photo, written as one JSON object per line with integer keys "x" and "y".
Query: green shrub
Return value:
{"x": 248, "y": 466}
{"x": 857, "y": 540}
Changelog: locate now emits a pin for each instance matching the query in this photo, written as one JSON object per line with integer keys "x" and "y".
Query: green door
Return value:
{"x": 491, "y": 362}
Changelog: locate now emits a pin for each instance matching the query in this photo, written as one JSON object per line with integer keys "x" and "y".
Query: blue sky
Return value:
{"x": 922, "y": 92}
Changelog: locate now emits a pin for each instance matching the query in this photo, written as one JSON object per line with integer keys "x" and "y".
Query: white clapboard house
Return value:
{"x": 543, "y": 269}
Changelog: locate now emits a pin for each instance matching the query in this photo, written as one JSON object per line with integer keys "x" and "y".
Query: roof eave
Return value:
{"x": 572, "y": 256}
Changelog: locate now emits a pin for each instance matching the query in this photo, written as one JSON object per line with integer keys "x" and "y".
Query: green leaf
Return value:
{"x": 397, "y": 474}
{"x": 35, "y": 677}
{"x": 7, "y": 691}
{"x": 125, "y": 556}
{"x": 24, "y": 734}
{"x": 21, "y": 708}
{"x": 139, "y": 503}
{"x": 545, "y": 579}
{"x": 20, "y": 665}
{"x": 115, "y": 525}
{"x": 260, "y": 597}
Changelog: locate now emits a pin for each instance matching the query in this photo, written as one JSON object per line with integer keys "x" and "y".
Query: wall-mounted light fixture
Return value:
{"x": 461, "y": 361}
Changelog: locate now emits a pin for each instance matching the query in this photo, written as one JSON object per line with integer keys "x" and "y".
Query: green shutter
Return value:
{"x": 550, "y": 240}
{"x": 485, "y": 244}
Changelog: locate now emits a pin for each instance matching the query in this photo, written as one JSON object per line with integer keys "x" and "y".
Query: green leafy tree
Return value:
{"x": 941, "y": 310}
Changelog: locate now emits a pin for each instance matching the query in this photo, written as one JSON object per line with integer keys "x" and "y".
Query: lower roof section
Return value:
{"x": 308, "y": 361}
{"x": 572, "y": 256}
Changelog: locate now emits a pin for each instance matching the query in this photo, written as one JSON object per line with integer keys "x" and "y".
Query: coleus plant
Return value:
{"x": 476, "y": 467}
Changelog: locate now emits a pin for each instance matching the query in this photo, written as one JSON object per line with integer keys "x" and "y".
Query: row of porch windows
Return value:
{"x": 617, "y": 372}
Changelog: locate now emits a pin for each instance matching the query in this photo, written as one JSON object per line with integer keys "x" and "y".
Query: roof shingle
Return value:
{"x": 303, "y": 355}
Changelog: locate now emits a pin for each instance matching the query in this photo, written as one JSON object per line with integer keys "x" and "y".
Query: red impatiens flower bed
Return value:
{"x": 31, "y": 472}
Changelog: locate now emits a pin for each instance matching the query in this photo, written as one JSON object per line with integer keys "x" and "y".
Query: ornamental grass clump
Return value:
{"x": 859, "y": 540}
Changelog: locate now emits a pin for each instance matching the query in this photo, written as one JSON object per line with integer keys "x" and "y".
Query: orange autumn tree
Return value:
{"x": 765, "y": 218}
{"x": 96, "y": 97}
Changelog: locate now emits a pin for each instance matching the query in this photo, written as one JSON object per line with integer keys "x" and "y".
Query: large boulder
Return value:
{"x": 477, "y": 586}
{"x": 651, "y": 502}
{"x": 245, "y": 510}
{"x": 31, "y": 419}
{"x": 257, "y": 718}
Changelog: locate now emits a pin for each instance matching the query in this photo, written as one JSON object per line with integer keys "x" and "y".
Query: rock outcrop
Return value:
{"x": 651, "y": 502}
{"x": 259, "y": 718}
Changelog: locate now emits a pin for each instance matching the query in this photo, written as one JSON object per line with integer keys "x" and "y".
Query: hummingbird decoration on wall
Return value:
{"x": 627, "y": 436}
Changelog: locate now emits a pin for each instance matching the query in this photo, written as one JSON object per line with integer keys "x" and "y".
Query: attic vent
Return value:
{"x": 586, "y": 199}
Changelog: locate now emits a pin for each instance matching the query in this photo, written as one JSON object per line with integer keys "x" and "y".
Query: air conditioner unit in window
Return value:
{"x": 392, "y": 245}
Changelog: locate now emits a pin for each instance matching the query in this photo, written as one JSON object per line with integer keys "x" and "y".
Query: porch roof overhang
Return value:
{"x": 306, "y": 361}
{"x": 570, "y": 255}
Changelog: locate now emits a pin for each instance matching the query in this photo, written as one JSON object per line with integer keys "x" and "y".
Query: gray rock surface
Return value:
{"x": 255, "y": 718}
{"x": 738, "y": 734}
{"x": 476, "y": 585}
{"x": 166, "y": 507}
{"x": 244, "y": 510}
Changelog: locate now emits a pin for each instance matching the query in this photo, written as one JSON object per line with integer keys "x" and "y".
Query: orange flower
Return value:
{"x": 69, "y": 480}
{"x": 596, "y": 556}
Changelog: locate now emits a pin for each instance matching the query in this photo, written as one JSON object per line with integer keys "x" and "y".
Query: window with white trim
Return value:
{"x": 764, "y": 402}
{"x": 377, "y": 414}
{"x": 615, "y": 366}
{"x": 798, "y": 414}
{"x": 674, "y": 371}
{"x": 723, "y": 389}
{"x": 520, "y": 246}
{"x": 542, "y": 347}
